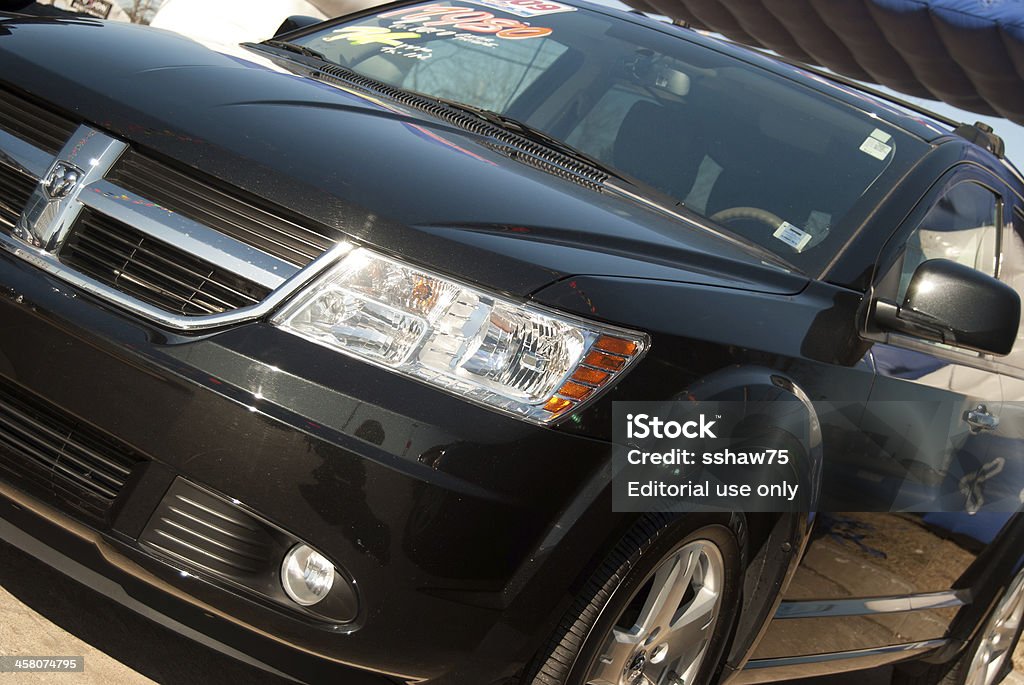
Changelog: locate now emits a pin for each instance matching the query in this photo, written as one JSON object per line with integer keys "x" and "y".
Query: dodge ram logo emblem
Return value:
{"x": 62, "y": 180}
{"x": 52, "y": 209}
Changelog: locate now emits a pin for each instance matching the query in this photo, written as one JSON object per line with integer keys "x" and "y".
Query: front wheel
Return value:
{"x": 989, "y": 656}
{"x": 658, "y": 611}
{"x": 992, "y": 652}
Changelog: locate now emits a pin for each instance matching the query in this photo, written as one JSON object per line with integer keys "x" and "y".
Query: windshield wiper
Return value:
{"x": 501, "y": 120}
{"x": 535, "y": 134}
{"x": 297, "y": 49}
{"x": 637, "y": 190}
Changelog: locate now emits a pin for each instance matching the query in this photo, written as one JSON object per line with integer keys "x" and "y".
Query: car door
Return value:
{"x": 934, "y": 408}
{"x": 897, "y": 526}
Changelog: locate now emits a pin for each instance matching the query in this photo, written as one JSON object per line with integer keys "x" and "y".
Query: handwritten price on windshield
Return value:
{"x": 468, "y": 19}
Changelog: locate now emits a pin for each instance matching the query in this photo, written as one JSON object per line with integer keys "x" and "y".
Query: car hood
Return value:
{"x": 386, "y": 175}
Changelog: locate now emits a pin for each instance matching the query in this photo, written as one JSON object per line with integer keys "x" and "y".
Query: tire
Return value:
{"x": 985, "y": 661}
{"x": 601, "y": 638}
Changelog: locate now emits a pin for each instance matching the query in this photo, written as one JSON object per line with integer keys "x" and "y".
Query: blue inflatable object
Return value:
{"x": 967, "y": 53}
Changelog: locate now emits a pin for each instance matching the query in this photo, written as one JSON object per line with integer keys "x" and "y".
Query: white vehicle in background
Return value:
{"x": 101, "y": 9}
{"x": 236, "y": 21}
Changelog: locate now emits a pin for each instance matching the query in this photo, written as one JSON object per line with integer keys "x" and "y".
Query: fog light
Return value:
{"x": 306, "y": 575}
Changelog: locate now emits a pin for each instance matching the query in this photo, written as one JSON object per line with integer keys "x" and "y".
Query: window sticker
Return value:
{"x": 875, "y": 145}
{"x": 792, "y": 236}
{"x": 404, "y": 26}
{"x": 391, "y": 42}
{"x": 880, "y": 135}
{"x": 474, "y": 39}
{"x": 461, "y": 19}
{"x": 364, "y": 35}
{"x": 406, "y": 50}
{"x": 526, "y": 8}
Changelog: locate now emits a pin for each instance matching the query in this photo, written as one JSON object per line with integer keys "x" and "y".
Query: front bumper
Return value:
{"x": 132, "y": 579}
{"x": 463, "y": 530}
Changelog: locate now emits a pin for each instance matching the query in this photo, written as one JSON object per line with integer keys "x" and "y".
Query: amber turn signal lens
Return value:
{"x": 604, "y": 361}
{"x": 574, "y": 390}
{"x": 557, "y": 404}
{"x": 592, "y": 376}
{"x": 626, "y": 348}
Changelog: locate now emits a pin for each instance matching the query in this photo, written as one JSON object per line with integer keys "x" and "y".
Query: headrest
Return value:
{"x": 655, "y": 145}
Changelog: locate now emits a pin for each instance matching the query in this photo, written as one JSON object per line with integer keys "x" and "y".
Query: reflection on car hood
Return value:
{"x": 388, "y": 176}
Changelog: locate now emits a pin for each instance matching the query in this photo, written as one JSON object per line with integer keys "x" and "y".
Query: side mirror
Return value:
{"x": 294, "y": 23}
{"x": 954, "y": 304}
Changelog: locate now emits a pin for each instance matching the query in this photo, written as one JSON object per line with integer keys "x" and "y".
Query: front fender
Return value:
{"x": 777, "y": 541}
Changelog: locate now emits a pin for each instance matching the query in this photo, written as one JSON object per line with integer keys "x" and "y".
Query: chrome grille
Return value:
{"x": 58, "y": 455}
{"x": 115, "y": 254}
{"x": 44, "y": 128}
{"x": 229, "y": 212}
{"x": 15, "y": 189}
{"x": 174, "y": 246}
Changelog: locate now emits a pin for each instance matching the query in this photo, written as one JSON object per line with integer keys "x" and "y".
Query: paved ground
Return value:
{"x": 43, "y": 613}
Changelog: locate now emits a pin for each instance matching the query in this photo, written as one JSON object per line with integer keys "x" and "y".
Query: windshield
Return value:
{"x": 763, "y": 156}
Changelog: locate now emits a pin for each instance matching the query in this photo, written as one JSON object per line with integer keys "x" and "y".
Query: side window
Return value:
{"x": 961, "y": 227}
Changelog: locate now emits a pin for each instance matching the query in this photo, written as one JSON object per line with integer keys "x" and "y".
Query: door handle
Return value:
{"x": 979, "y": 419}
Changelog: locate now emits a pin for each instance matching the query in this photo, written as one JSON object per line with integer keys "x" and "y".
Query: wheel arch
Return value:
{"x": 774, "y": 542}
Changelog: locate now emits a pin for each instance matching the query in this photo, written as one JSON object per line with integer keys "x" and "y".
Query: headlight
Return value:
{"x": 520, "y": 359}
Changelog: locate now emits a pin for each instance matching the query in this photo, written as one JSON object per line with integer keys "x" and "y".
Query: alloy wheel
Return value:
{"x": 996, "y": 643}
{"x": 663, "y": 635}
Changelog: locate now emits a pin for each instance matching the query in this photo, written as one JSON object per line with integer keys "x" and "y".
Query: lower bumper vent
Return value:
{"x": 213, "y": 536}
{"x": 59, "y": 457}
{"x": 194, "y": 526}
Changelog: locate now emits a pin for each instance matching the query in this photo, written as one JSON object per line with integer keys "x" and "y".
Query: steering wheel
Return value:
{"x": 762, "y": 215}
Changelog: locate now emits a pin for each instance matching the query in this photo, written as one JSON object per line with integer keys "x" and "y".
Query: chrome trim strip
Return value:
{"x": 789, "y": 668}
{"x": 48, "y": 262}
{"x": 822, "y": 608}
{"x": 187, "y": 235}
{"x": 47, "y": 220}
{"x": 23, "y": 156}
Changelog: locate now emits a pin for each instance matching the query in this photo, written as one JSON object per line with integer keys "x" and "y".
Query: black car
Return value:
{"x": 309, "y": 348}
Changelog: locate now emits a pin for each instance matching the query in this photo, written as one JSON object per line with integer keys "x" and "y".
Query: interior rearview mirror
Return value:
{"x": 954, "y": 304}
{"x": 294, "y": 23}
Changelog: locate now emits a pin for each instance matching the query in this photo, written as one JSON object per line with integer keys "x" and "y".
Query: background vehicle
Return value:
{"x": 101, "y": 9}
{"x": 229, "y": 22}
{"x": 219, "y": 406}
